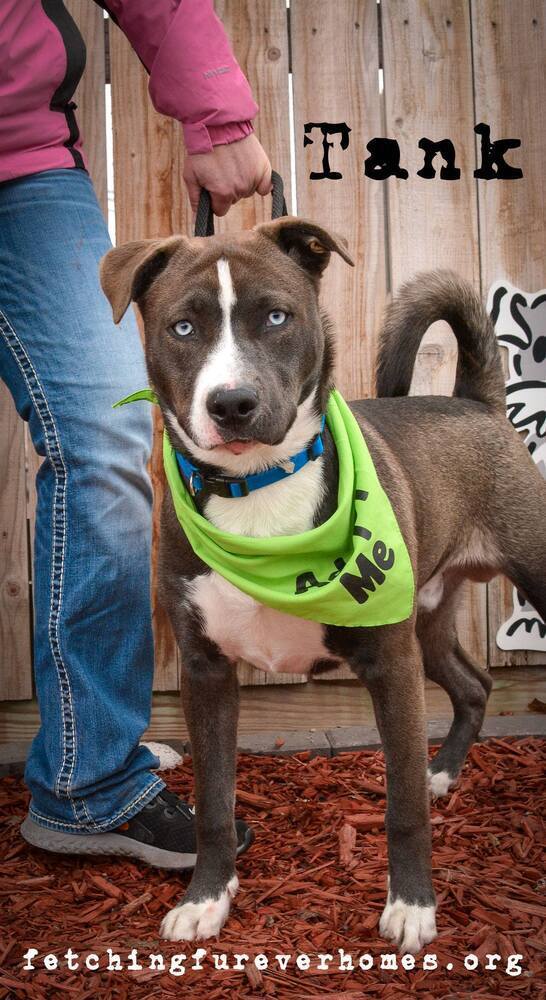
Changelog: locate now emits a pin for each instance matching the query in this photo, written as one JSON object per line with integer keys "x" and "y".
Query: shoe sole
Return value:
{"x": 114, "y": 844}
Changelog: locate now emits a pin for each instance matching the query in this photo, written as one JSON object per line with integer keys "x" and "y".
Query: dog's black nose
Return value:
{"x": 232, "y": 407}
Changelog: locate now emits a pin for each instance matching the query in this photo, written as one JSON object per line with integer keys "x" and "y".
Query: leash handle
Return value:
{"x": 278, "y": 202}
{"x": 204, "y": 220}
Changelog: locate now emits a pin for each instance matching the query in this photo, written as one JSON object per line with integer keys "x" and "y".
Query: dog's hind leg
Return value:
{"x": 468, "y": 686}
{"x": 525, "y": 565}
{"x": 518, "y": 520}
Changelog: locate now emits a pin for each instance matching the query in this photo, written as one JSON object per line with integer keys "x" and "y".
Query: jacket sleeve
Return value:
{"x": 194, "y": 76}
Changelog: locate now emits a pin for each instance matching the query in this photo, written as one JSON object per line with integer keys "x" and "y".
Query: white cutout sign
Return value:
{"x": 520, "y": 326}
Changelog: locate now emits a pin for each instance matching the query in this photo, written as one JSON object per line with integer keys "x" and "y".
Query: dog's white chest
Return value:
{"x": 244, "y": 629}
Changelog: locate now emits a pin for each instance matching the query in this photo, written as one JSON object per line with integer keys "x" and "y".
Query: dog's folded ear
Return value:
{"x": 307, "y": 243}
{"x": 127, "y": 271}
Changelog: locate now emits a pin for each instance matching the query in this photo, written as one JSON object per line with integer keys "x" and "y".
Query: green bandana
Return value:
{"x": 352, "y": 570}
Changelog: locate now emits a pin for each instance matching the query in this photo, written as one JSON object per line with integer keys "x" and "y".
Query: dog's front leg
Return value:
{"x": 210, "y": 694}
{"x": 394, "y": 676}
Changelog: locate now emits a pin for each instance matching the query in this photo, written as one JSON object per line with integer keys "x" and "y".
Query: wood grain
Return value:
{"x": 149, "y": 201}
{"x": 301, "y": 707}
{"x": 15, "y": 620}
{"x": 433, "y": 223}
{"x": 335, "y": 64}
{"x": 259, "y": 37}
{"x": 510, "y": 88}
{"x": 447, "y": 64}
{"x": 339, "y": 83}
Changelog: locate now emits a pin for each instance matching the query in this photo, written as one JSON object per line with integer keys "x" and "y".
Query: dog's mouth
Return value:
{"x": 236, "y": 446}
{"x": 243, "y": 444}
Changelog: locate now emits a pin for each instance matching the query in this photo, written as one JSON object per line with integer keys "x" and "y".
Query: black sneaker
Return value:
{"x": 162, "y": 834}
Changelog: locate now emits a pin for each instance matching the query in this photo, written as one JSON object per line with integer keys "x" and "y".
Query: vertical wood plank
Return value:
{"x": 259, "y": 36}
{"x": 433, "y": 223}
{"x": 510, "y": 94}
{"x": 335, "y": 66}
{"x": 90, "y": 93}
{"x": 149, "y": 201}
{"x": 428, "y": 92}
{"x": 15, "y": 620}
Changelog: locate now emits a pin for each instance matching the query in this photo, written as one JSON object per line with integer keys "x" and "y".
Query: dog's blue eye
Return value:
{"x": 276, "y": 318}
{"x": 183, "y": 328}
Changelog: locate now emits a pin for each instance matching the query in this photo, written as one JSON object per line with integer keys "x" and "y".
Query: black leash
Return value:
{"x": 204, "y": 220}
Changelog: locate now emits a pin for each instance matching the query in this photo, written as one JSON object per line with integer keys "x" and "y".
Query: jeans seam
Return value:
{"x": 90, "y": 820}
{"x": 81, "y": 814}
{"x": 59, "y": 518}
{"x": 107, "y": 822}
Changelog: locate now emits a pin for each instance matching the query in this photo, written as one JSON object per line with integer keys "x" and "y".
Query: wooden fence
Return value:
{"x": 446, "y": 65}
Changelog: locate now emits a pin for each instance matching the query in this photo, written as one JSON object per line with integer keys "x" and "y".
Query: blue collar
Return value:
{"x": 196, "y": 480}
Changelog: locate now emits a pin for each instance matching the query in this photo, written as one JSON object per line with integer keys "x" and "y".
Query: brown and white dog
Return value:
{"x": 240, "y": 356}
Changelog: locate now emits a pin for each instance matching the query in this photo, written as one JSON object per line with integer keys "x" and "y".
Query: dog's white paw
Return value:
{"x": 409, "y": 925}
{"x": 167, "y": 756}
{"x": 199, "y": 920}
{"x": 439, "y": 783}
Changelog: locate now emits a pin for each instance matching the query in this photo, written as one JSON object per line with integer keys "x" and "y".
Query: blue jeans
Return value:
{"x": 65, "y": 364}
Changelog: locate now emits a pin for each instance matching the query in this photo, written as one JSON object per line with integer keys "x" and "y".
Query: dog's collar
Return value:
{"x": 197, "y": 480}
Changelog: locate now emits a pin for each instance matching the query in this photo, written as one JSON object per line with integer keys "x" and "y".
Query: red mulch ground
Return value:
{"x": 309, "y": 884}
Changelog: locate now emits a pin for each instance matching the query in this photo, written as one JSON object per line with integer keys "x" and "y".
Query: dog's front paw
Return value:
{"x": 411, "y": 926}
{"x": 439, "y": 783}
{"x": 199, "y": 920}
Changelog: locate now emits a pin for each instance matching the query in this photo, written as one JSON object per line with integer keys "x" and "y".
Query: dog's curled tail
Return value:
{"x": 421, "y": 301}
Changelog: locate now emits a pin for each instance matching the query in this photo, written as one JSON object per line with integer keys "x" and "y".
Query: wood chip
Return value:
{"x": 347, "y": 841}
{"x": 314, "y": 881}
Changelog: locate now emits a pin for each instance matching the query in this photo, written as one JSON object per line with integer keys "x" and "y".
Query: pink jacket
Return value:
{"x": 194, "y": 77}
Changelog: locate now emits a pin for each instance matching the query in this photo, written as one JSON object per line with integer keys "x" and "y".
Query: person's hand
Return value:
{"x": 229, "y": 172}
